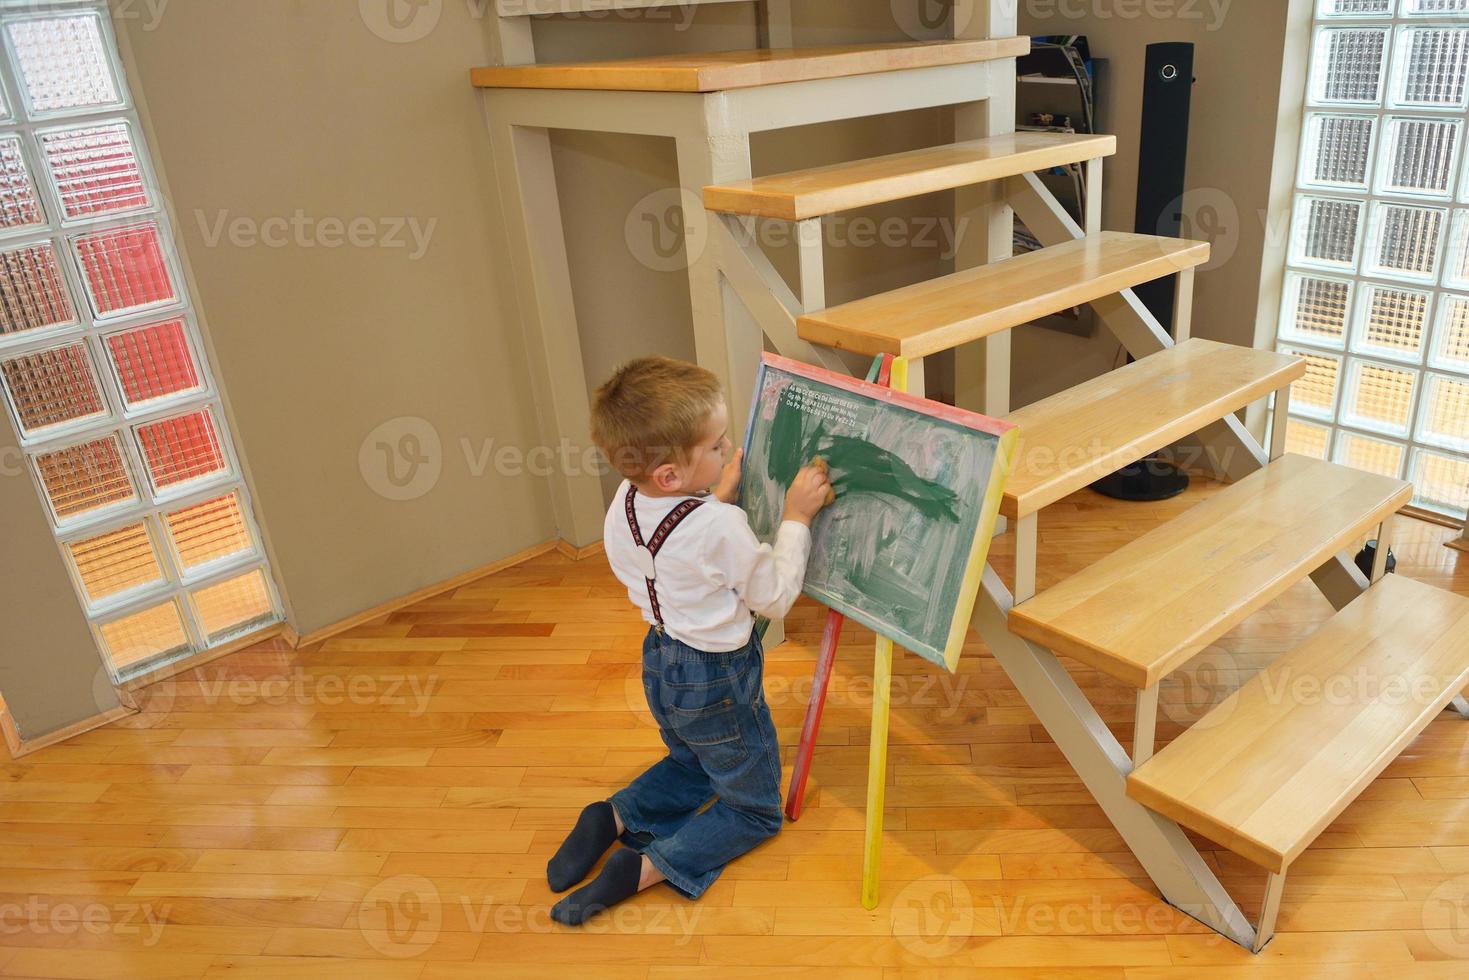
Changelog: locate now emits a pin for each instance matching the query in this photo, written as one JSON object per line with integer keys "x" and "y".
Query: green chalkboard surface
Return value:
{"x": 918, "y": 489}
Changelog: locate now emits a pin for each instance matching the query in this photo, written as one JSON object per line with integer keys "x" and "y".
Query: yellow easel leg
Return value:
{"x": 877, "y": 769}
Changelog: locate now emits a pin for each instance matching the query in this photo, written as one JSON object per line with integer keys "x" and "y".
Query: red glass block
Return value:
{"x": 125, "y": 269}
{"x": 182, "y": 449}
{"x": 154, "y": 362}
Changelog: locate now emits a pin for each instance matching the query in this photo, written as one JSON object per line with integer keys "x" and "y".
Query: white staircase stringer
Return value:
{"x": 1160, "y": 845}
{"x": 749, "y": 272}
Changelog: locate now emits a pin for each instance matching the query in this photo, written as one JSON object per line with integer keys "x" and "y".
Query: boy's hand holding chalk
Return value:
{"x": 810, "y": 491}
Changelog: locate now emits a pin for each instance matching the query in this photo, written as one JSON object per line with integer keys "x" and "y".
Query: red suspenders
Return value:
{"x": 650, "y": 550}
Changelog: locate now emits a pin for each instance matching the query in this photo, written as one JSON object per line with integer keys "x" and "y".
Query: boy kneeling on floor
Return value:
{"x": 695, "y": 569}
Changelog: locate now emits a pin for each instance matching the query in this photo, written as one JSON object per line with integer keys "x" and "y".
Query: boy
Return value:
{"x": 694, "y": 568}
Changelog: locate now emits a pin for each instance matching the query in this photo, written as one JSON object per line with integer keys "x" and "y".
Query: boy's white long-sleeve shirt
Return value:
{"x": 712, "y": 571}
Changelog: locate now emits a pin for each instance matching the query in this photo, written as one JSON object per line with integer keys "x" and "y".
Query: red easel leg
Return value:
{"x": 796, "y": 796}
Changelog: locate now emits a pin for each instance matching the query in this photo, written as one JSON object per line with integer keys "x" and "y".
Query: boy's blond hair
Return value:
{"x": 653, "y": 411}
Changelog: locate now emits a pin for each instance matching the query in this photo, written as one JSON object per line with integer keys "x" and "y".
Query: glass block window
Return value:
{"x": 1357, "y": 8}
{"x": 95, "y": 170}
{"x": 1372, "y": 455}
{"x": 115, "y": 563}
{"x": 1420, "y": 156}
{"x": 138, "y": 638}
{"x": 209, "y": 532}
{"x": 20, "y": 204}
{"x": 1316, "y": 309}
{"x": 33, "y": 293}
{"x": 1376, "y": 286}
{"x": 53, "y": 388}
{"x": 1307, "y": 439}
{"x": 181, "y": 450}
{"x": 65, "y": 64}
{"x": 1315, "y": 394}
{"x": 1341, "y": 150}
{"x": 1430, "y": 67}
{"x": 1349, "y": 65}
{"x": 1406, "y": 241}
{"x": 1327, "y": 232}
{"x": 125, "y": 270}
{"x": 233, "y": 606}
{"x": 86, "y": 479}
{"x": 154, "y": 362}
{"x": 102, "y": 372}
{"x": 1393, "y": 322}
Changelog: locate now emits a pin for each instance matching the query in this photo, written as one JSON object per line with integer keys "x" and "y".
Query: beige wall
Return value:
{"x": 50, "y": 673}
{"x": 261, "y": 109}
{"x": 1237, "y": 61}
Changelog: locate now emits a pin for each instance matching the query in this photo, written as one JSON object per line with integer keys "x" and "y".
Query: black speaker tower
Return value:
{"x": 1168, "y": 76}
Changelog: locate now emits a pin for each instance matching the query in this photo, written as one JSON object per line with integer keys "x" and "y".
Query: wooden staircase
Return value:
{"x": 812, "y": 193}
{"x": 944, "y": 313}
{"x": 716, "y": 71}
{"x": 1263, "y": 774}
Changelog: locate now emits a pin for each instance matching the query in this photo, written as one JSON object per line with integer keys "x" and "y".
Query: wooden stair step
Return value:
{"x": 811, "y": 193}
{"x": 1273, "y": 764}
{"x": 943, "y": 313}
{"x": 1147, "y": 608}
{"x": 715, "y": 71}
{"x": 1080, "y": 435}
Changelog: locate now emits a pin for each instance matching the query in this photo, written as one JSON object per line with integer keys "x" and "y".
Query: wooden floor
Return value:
{"x": 383, "y": 805}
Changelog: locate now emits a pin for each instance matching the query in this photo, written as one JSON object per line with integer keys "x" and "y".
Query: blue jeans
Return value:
{"x": 711, "y": 711}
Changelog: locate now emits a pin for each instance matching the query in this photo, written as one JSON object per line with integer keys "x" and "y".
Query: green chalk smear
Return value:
{"x": 856, "y": 466}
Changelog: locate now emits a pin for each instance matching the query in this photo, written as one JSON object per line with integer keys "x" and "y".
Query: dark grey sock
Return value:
{"x": 595, "y": 831}
{"x": 617, "y": 882}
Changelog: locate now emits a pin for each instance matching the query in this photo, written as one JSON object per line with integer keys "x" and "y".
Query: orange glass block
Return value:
{"x": 1306, "y": 439}
{"x": 1382, "y": 396}
{"x": 115, "y": 562}
{"x": 1446, "y": 412}
{"x": 234, "y": 606}
{"x": 1372, "y": 455}
{"x": 1317, "y": 389}
{"x": 142, "y": 636}
{"x": 1441, "y": 482}
{"x": 210, "y": 531}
